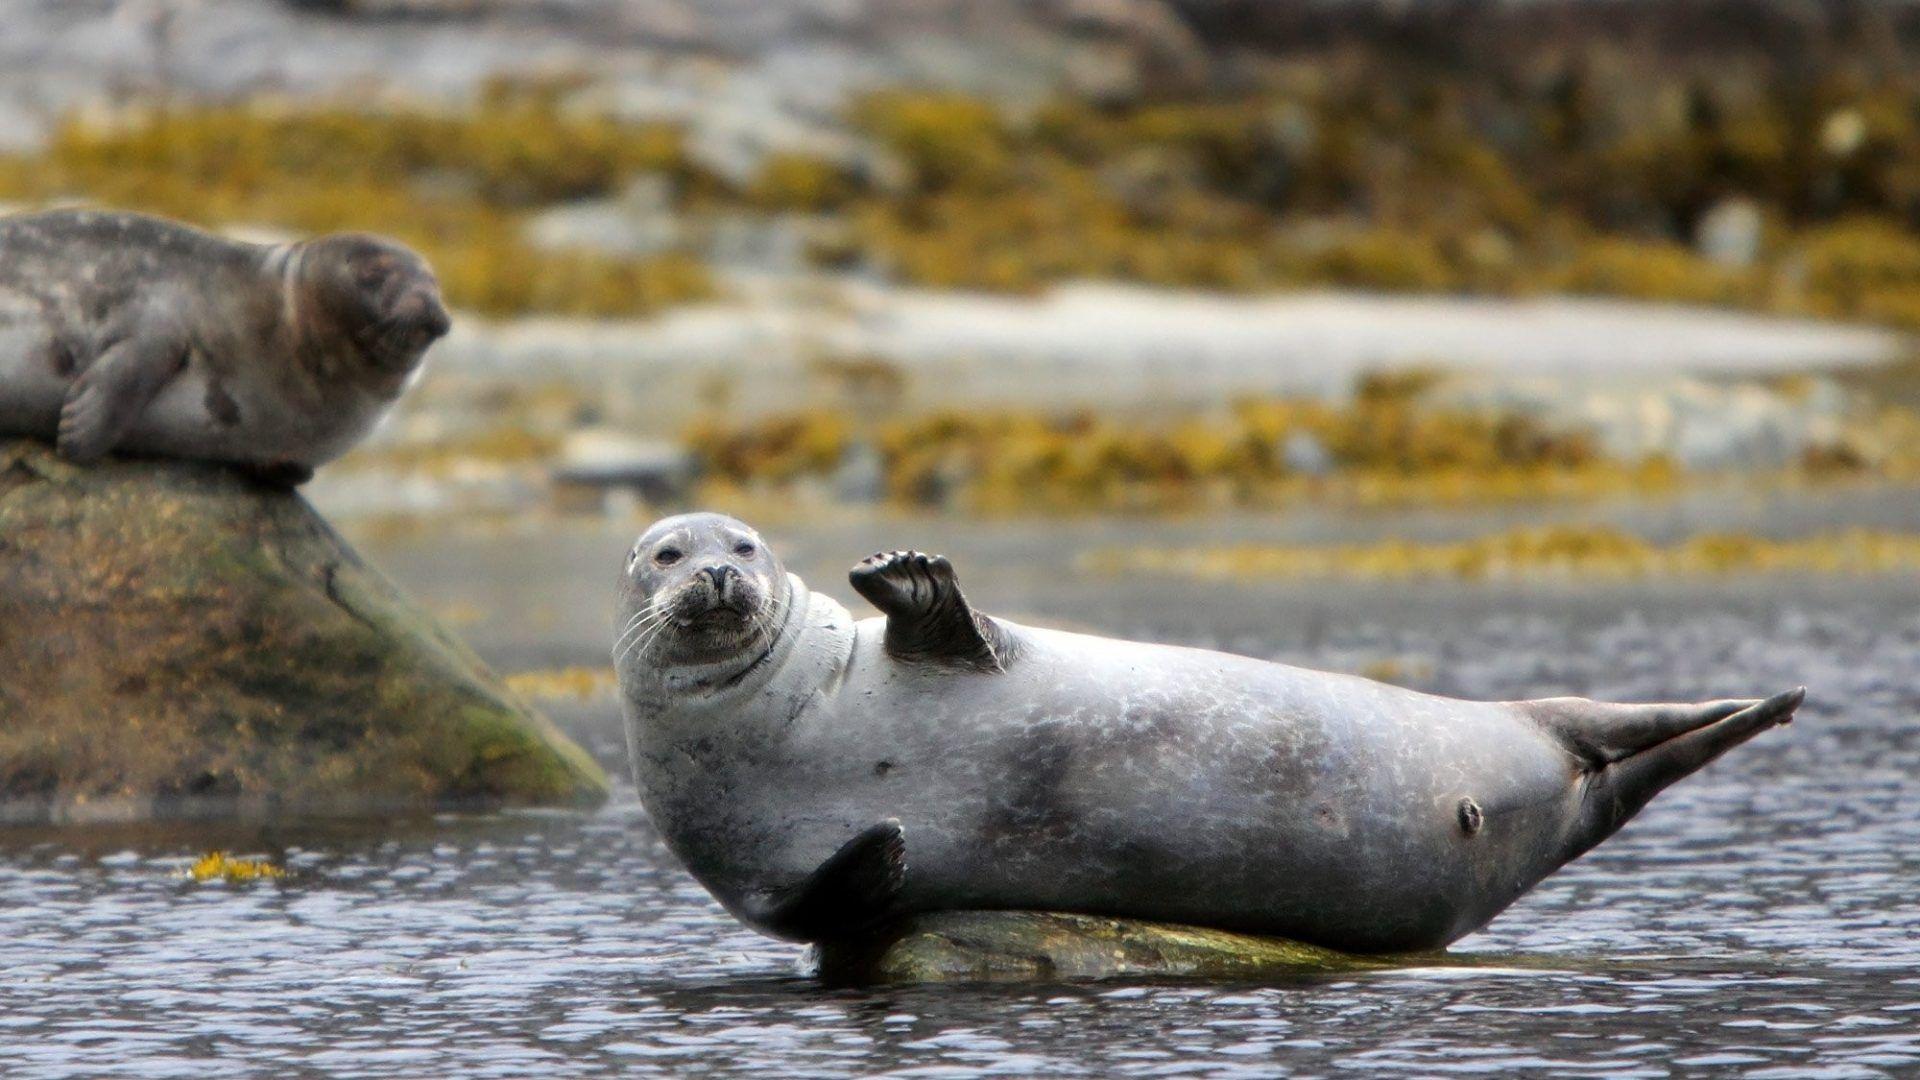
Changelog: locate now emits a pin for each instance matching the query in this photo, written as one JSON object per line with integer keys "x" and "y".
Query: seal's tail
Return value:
{"x": 1633, "y": 752}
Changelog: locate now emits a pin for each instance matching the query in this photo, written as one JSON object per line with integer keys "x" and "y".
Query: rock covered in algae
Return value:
{"x": 1028, "y": 946}
{"x": 177, "y": 640}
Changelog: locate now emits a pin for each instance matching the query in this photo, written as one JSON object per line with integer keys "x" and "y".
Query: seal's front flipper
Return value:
{"x": 850, "y": 892}
{"x": 1633, "y": 752}
{"x": 110, "y": 395}
{"x": 927, "y": 617}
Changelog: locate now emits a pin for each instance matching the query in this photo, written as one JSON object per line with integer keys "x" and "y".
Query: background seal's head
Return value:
{"x": 377, "y": 294}
{"x": 698, "y": 589}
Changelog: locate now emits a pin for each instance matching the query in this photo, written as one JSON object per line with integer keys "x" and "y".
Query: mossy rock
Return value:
{"x": 1030, "y": 946}
{"x": 179, "y": 641}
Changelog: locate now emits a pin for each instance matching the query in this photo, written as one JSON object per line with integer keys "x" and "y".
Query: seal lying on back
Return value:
{"x": 119, "y": 331}
{"x": 820, "y": 775}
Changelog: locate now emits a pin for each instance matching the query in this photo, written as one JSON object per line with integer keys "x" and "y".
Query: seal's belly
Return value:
{"x": 205, "y": 416}
{"x": 184, "y": 420}
{"x": 1169, "y": 783}
{"x": 180, "y": 422}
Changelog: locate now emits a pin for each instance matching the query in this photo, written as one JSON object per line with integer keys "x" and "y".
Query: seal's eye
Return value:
{"x": 743, "y": 549}
{"x": 371, "y": 277}
{"x": 667, "y": 556}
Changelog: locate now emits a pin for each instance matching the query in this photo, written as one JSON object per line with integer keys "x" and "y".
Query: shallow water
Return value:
{"x": 1759, "y": 919}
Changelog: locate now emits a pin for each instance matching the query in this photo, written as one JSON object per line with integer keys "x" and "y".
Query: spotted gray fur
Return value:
{"x": 1100, "y": 776}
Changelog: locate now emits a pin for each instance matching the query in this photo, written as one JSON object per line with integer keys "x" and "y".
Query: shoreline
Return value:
{"x": 1122, "y": 347}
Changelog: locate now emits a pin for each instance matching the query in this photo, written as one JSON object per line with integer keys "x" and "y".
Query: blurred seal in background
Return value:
{"x": 125, "y": 332}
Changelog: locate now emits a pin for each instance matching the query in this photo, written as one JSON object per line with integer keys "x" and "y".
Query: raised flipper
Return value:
{"x": 852, "y": 891}
{"x": 106, "y": 399}
{"x": 928, "y": 620}
{"x": 1633, "y": 752}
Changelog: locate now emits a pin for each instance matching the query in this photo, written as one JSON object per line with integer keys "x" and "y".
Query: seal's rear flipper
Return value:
{"x": 850, "y": 892}
{"x": 1633, "y": 752}
{"x": 927, "y": 617}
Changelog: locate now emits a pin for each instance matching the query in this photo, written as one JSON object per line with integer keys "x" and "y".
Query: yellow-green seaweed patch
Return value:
{"x": 220, "y": 866}
{"x": 1576, "y": 552}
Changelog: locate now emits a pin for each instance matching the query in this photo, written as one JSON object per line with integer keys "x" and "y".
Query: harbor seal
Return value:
{"x": 820, "y": 775}
{"x": 125, "y": 332}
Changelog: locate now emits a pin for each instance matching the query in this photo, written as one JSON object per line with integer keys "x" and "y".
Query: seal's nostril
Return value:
{"x": 719, "y": 574}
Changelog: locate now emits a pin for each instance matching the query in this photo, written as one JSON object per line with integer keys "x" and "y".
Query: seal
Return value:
{"x": 125, "y": 332}
{"x": 821, "y": 776}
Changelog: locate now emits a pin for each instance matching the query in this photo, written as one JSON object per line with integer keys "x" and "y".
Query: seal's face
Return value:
{"x": 381, "y": 294}
{"x": 699, "y": 589}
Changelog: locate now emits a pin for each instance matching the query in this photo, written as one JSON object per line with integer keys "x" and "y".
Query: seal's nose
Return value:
{"x": 434, "y": 318}
{"x": 420, "y": 306}
{"x": 720, "y": 574}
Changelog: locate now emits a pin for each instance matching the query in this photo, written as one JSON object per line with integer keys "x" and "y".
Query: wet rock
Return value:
{"x": 1025, "y": 946}
{"x": 861, "y": 476}
{"x": 1303, "y": 453}
{"x": 1697, "y": 423}
{"x": 606, "y": 463}
{"x": 1731, "y": 232}
{"x": 638, "y": 224}
{"x": 177, "y": 640}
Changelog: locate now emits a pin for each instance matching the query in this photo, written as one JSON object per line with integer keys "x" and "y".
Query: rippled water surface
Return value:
{"x": 1759, "y": 919}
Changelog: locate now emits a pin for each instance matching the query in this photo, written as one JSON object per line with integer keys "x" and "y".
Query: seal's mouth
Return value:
{"x": 717, "y": 607}
{"x": 708, "y": 620}
{"x": 397, "y": 341}
{"x": 721, "y": 616}
{"x": 393, "y": 346}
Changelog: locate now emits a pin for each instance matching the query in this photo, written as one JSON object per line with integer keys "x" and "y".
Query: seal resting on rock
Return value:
{"x": 125, "y": 332}
{"x": 821, "y": 775}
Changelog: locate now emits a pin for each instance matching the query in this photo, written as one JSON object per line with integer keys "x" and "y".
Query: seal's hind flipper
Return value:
{"x": 1602, "y": 733}
{"x": 1633, "y": 752}
{"x": 850, "y": 892}
{"x": 927, "y": 617}
{"x": 114, "y": 390}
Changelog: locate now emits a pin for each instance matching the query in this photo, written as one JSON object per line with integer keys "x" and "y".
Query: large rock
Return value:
{"x": 176, "y": 640}
{"x": 1028, "y": 946}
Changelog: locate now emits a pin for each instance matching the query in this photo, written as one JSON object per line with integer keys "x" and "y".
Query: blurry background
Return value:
{"x": 1496, "y": 349}
{"x": 1455, "y": 290}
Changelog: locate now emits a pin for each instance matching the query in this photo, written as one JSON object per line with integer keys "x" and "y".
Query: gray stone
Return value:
{"x": 1730, "y": 233}
{"x": 861, "y": 476}
{"x": 1305, "y": 454}
{"x": 639, "y": 223}
{"x": 605, "y": 461}
{"x": 1027, "y": 946}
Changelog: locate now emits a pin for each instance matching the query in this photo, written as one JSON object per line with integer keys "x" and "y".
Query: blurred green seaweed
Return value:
{"x": 1390, "y": 444}
{"x": 459, "y": 187}
{"x": 1352, "y": 176}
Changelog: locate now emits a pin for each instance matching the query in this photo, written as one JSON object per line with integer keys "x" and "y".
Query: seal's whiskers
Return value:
{"x": 641, "y": 619}
{"x": 643, "y": 631}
